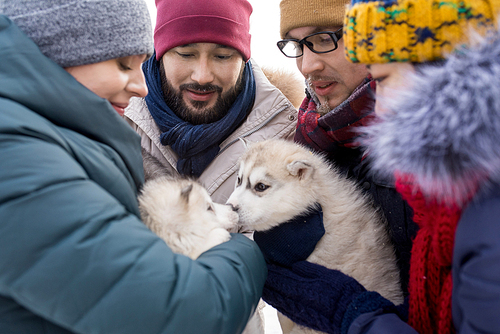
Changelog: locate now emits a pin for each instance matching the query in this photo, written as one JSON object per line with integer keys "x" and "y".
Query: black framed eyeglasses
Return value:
{"x": 319, "y": 42}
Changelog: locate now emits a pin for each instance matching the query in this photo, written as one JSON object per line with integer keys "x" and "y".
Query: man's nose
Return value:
{"x": 310, "y": 62}
{"x": 203, "y": 73}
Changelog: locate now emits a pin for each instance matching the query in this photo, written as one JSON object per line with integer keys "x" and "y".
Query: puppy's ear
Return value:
{"x": 301, "y": 168}
{"x": 185, "y": 192}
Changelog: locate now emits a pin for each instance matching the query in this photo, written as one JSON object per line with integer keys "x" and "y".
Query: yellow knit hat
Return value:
{"x": 311, "y": 13}
{"x": 413, "y": 30}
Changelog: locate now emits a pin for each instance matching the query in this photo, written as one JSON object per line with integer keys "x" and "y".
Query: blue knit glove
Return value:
{"x": 320, "y": 298}
{"x": 294, "y": 240}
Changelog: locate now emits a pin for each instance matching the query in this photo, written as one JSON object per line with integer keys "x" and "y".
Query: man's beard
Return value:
{"x": 199, "y": 113}
{"x": 322, "y": 107}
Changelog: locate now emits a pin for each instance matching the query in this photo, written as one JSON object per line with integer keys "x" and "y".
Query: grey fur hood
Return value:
{"x": 445, "y": 129}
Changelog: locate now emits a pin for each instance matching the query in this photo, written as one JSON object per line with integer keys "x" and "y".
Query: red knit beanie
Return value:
{"x": 180, "y": 22}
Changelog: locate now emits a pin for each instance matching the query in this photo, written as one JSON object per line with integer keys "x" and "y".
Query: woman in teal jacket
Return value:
{"x": 74, "y": 255}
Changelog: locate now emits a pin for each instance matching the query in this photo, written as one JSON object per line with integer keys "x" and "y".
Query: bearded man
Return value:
{"x": 205, "y": 93}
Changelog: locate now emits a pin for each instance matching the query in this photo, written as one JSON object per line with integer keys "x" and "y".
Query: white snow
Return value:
{"x": 272, "y": 325}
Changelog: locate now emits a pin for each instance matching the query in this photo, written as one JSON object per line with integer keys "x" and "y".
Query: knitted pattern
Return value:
{"x": 196, "y": 145}
{"x": 81, "y": 32}
{"x": 314, "y": 296}
{"x": 322, "y": 299}
{"x": 413, "y": 30}
{"x": 430, "y": 283}
{"x": 311, "y": 13}
{"x": 181, "y": 22}
{"x": 293, "y": 240}
{"x": 368, "y": 301}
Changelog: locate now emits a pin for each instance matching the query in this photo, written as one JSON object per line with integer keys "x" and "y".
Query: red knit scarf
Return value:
{"x": 430, "y": 284}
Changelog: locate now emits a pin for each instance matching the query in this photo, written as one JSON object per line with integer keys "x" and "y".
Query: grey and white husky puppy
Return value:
{"x": 279, "y": 180}
{"x": 181, "y": 212}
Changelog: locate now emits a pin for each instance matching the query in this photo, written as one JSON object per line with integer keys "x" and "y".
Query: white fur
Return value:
{"x": 443, "y": 129}
{"x": 288, "y": 83}
{"x": 182, "y": 213}
{"x": 279, "y": 180}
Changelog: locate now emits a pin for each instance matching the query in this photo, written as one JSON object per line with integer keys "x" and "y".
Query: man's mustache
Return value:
{"x": 201, "y": 88}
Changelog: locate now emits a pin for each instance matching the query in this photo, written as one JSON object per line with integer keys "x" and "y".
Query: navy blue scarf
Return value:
{"x": 196, "y": 145}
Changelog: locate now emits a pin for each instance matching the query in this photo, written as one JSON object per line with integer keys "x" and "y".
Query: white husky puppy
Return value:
{"x": 279, "y": 180}
{"x": 181, "y": 212}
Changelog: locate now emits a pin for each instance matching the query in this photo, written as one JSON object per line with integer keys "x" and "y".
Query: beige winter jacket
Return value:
{"x": 272, "y": 116}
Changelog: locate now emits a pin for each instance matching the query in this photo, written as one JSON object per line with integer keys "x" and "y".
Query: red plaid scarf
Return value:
{"x": 336, "y": 128}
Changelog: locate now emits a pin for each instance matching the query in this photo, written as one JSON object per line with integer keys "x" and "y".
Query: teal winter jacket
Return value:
{"x": 74, "y": 254}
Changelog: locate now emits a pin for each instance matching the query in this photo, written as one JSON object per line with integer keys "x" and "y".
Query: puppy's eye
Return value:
{"x": 210, "y": 208}
{"x": 260, "y": 187}
{"x": 238, "y": 181}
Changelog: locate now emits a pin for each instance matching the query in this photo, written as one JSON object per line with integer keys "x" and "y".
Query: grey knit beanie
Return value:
{"x": 80, "y": 32}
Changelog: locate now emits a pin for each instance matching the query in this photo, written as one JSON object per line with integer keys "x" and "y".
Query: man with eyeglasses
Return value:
{"x": 330, "y": 78}
{"x": 340, "y": 96}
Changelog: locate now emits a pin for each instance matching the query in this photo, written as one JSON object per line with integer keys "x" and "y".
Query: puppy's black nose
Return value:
{"x": 235, "y": 208}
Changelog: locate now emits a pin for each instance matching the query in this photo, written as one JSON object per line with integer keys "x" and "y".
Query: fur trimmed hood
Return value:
{"x": 445, "y": 129}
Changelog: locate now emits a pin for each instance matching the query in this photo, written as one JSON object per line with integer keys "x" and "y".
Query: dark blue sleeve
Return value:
{"x": 380, "y": 322}
{"x": 476, "y": 265}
